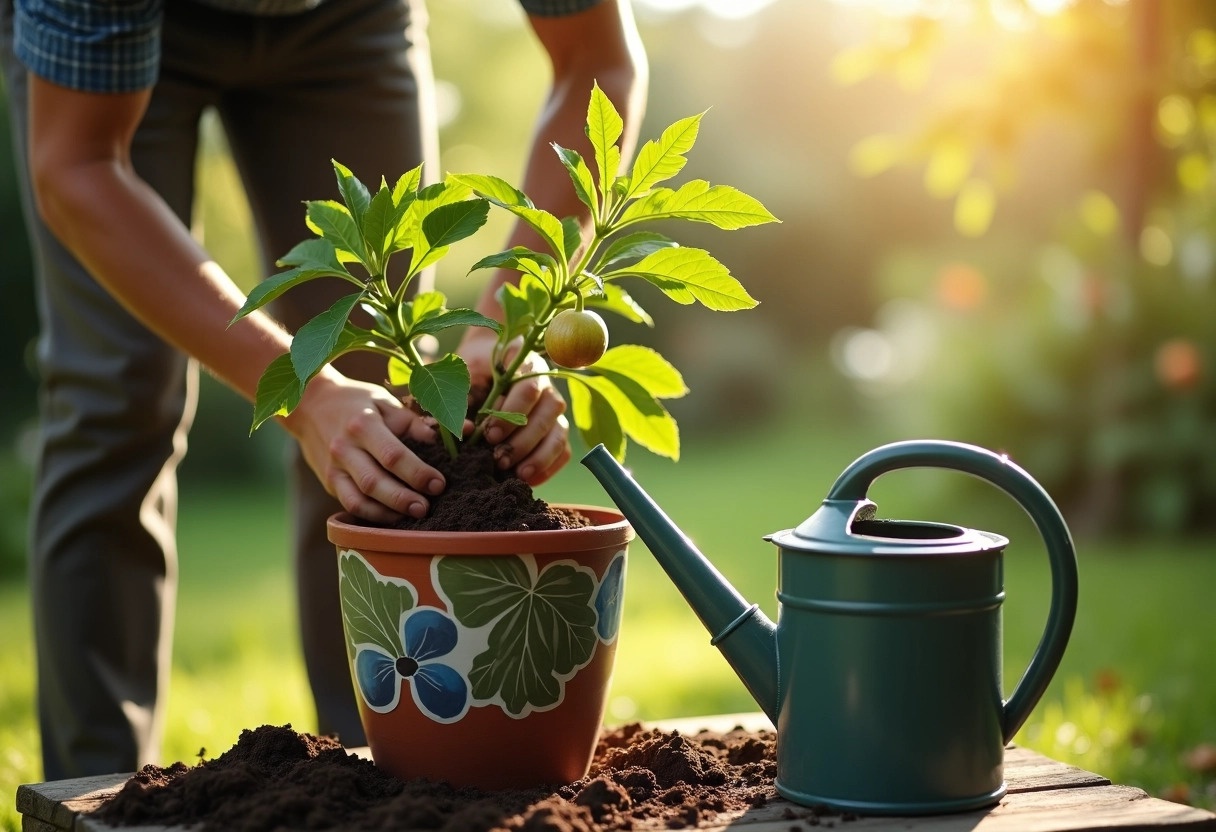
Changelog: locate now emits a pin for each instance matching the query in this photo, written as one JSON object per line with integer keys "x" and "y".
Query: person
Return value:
{"x": 105, "y": 104}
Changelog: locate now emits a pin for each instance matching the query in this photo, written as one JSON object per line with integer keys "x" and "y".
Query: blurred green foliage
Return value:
{"x": 1079, "y": 340}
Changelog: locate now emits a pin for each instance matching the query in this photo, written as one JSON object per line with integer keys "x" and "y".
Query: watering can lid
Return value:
{"x": 848, "y": 527}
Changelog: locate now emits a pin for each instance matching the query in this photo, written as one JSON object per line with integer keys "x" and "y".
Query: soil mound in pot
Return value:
{"x": 481, "y": 497}
{"x": 275, "y": 778}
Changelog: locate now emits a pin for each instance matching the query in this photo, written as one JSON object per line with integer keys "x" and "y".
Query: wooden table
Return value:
{"x": 1044, "y": 796}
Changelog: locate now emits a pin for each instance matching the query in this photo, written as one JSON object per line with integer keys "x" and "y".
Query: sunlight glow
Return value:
{"x": 727, "y": 9}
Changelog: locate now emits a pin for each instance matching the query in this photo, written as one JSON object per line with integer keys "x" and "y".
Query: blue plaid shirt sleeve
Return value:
{"x": 106, "y": 47}
{"x": 556, "y": 8}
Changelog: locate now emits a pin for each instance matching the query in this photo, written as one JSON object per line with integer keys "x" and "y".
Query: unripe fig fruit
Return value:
{"x": 576, "y": 339}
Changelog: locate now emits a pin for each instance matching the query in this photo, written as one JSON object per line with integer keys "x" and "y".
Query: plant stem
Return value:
{"x": 449, "y": 441}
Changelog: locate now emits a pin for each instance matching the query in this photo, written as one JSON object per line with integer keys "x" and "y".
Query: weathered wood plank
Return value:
{"x": 1082, "y": 809}
{"x": 59, "y": 801}
{"x": 31, "y": 824}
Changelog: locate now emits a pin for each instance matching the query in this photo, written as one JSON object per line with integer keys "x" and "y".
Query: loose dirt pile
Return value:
{"x": 277, "y": 779}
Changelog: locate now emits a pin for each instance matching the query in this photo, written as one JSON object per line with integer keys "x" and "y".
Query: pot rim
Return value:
{"x": 611, "y": 529}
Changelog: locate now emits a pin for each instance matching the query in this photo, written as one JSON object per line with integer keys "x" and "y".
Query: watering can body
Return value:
{"x": 883, "y": 673}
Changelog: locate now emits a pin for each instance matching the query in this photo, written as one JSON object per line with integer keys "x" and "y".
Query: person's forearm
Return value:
{"x": 138, "y": 250}
{"x": 617, "y": 62}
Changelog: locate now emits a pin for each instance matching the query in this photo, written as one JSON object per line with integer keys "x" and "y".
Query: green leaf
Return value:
{"x": 334, "y": 222}
{"x": 516, "y": 201}
{"x": 424, "y": 305}
{"x": 615, "y": 299}
{"x": 445, "y": 225}
{"x": 407, "y": 185}
{"x": 398, "y": 372}
{"x": 604, "y": 126}
{"x": 643, "y": 418}
{"x": 354, "y": 193}
{"x": 523, "y": 304}
{"x": 442, "y": 390}
{"x": 663, "y": 158}
{"x": 272, "y": 287}
{"x": 278, "y": 392}
{"x": 425, "y": 202}
{"x": 315, "y": 253}
{"x": 595, "y": 419}
{"x": 572, "y": 236}
{"x": 454, "y": 317}
{"x": 497, "y": 190}
{"x": 718, "y": 205}
{"x": 644, "y": 366}
{"x": 688, "y": 274}
{"x": 580, "y": 175}
{"x": 633, "y": 246}
{"x": 372, "y": 605}
{"x": 521, "y": 259}
{"x": 379, "y": 223}
{"x": 507, "y": 416}
{"x": 542, "y": 631}
{"x": 313, "y": 345}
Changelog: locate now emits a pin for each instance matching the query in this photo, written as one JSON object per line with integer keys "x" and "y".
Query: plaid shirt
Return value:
{"x": 114, "y": 46}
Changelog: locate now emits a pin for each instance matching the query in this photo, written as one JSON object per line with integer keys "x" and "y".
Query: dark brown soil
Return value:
{"x": 277, "y": 779}
{"x": 480, "y": 497}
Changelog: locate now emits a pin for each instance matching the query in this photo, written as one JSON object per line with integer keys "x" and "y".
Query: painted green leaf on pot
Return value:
{"x": 544, "y": 628}
{"x": 608, "y": 600}
{"x": 372, "y": 605}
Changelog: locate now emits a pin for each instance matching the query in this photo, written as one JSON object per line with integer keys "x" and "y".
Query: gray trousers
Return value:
{"x": 348, "y": 81}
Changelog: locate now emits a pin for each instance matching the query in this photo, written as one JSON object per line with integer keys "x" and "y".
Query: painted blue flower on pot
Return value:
{"x": 608, "y": 600}
{"x": 438, "y": 690}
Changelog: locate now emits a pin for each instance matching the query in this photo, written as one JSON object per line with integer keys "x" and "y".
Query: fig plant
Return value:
{"x": 615, "y": 393}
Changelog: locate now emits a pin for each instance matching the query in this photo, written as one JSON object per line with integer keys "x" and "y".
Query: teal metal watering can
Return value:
{"x": 883, "y": 673}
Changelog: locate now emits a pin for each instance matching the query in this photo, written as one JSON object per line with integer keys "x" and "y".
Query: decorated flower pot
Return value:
{"x": 482, "y": 658}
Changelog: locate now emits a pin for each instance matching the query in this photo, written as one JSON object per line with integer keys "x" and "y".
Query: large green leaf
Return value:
{"x": 580, "y": 175}
{"x": 719, "y": 205}
{"x": 688, "y": 274}
{"x": 315, "y": 253}
{"x": 663, "y": 158}
{"x": 372, "y": 605}
{"x": 425, "y": 202}
{"x": 354, "y": 193}
{"x": 615, "y": 299}
{"x": 542, "y": 631}
{"x": 642, "y": 417}
{"x": 272, "y": 287}
{"x": 633, "y": 247}
{"x": 604, "y": 127}
{"x": 645, "y": 366}
{"x": 595, "y": 419}
{"x": 523, "y": 304}
{"x": 445, "y": 225}
{"x": 454, "y": 317}
{"x": 499, "y": 191}
{"x": 572, "y": 236}
{"x": 278, "y": 392}
{"x": 442, "y": 390}
{"x": 505, "y": 195}
{"x": 521, "y": 259}
{"x": 334, "y": 222}
{"x": 424, "y": 305}
{"x": 314, "y": 343}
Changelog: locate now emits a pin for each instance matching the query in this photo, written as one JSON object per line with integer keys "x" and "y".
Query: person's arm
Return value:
{"x": 90, "y": 196}
{"x": 599, "y": 45}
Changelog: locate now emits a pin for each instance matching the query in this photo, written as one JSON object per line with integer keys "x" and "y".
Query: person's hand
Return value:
{"x": 539, "y": 449}
{"x": 348, "y": 432}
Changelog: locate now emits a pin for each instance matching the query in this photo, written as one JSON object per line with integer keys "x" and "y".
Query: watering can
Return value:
{"x": 883, "y": 673}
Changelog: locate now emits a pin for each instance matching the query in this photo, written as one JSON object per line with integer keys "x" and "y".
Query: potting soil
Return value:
{"x": 277, "y": 779}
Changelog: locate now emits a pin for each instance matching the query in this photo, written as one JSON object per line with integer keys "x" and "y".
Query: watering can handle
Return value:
{"x": 854, "y": 483}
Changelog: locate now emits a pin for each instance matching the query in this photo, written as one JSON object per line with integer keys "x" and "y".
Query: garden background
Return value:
{"x": 998, "y": 227}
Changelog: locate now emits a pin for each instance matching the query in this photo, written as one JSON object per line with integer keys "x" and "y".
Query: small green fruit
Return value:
{"x": 576, "y": 339}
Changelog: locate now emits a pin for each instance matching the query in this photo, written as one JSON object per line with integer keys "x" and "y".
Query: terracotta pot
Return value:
{"x": 482, "y": 658}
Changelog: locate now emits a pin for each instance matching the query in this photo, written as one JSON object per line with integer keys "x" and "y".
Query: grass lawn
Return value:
{"x": 1136, "y": 690}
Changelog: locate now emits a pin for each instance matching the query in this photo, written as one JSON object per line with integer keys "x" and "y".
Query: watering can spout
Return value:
{"x": 746, "y": 637}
